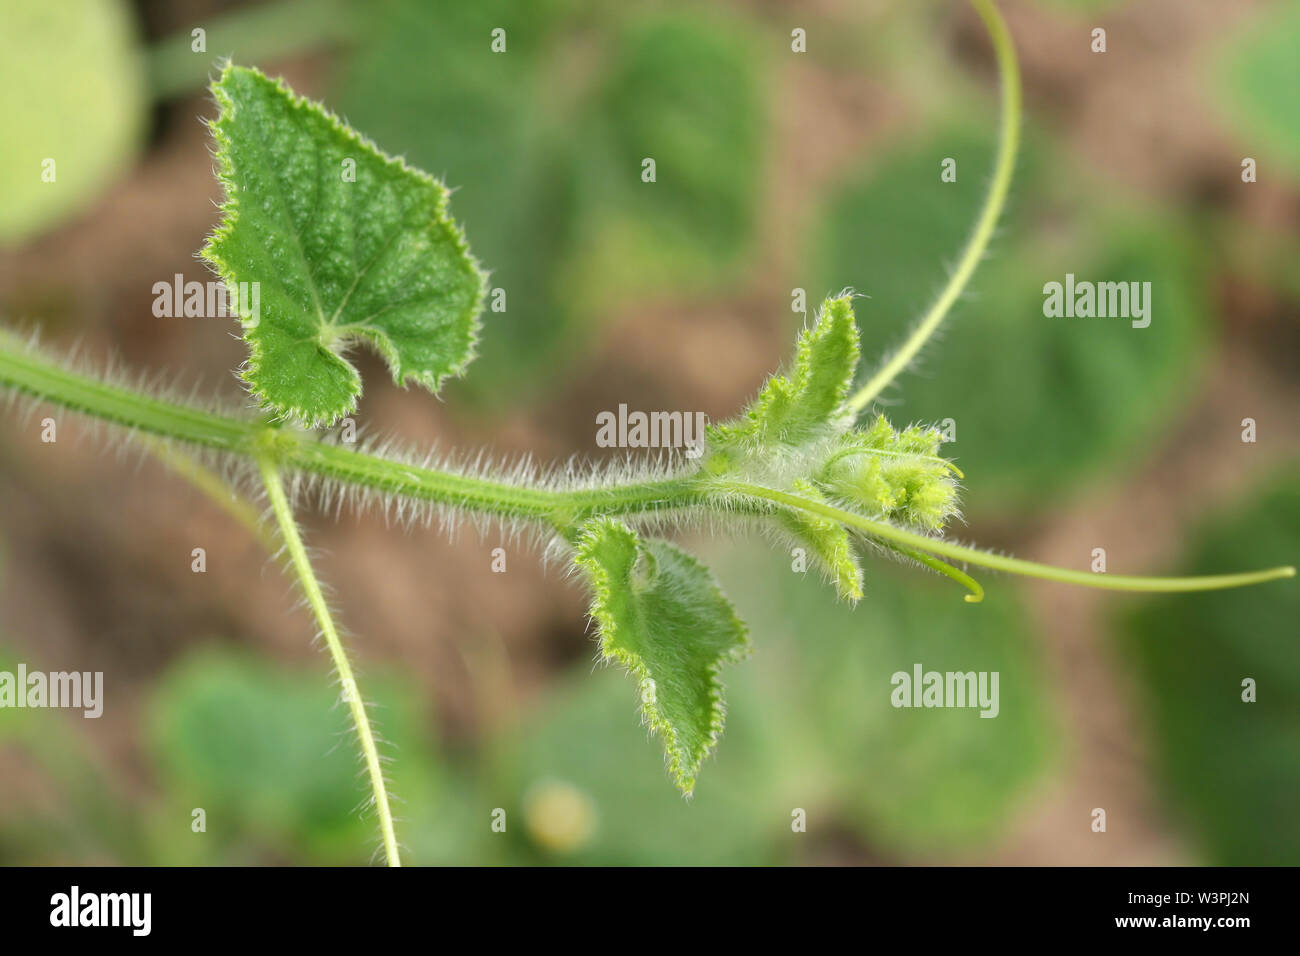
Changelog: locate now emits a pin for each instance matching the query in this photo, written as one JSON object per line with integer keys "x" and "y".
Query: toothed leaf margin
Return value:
{"x": 663, "y": 616}
{"x": 347, "y": 245}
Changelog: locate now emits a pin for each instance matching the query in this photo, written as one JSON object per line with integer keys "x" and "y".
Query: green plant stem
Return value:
{"x": 325, "y": 620}
{"x": 559, "y": 509}
{"x": 1008, "y": 144}
{"x": 26, "y": 371}
{"x": 959, "y": 552}
{"x": 947, "y": 570}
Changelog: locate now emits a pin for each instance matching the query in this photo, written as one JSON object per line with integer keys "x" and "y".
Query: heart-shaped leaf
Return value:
{"x": 345, "y": 244}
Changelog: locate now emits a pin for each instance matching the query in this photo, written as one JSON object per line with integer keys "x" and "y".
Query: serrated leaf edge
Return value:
{"x": 602, "y": 588}
{"x": 848, "y": 586}
{"x": 750, "y": 425}
{"x": 229, "y": 208}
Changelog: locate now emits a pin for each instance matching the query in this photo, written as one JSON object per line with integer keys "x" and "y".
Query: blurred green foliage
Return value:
{"x": 270, "y": 755}
{"x": 1258, "y": 82}
{"x": 588, "y": 736}
{"x": 682, "y": 89}
{"x": 247, "y": 35}
{"x": 908, "y": 781}
{"x": 267, "y": 753}
{"x": 809, "y": 726}
{"x": 72, "y": 91}
{"x": 1082, "y": 6}
{"x": 1039, "y": 403}
{"x": 1231, "y": 769}
{"x": 79, "y": 816}
{"x": 544, "y": 144}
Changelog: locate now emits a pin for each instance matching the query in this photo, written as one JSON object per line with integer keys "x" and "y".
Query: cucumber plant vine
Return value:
{"x": 374, "y": 257}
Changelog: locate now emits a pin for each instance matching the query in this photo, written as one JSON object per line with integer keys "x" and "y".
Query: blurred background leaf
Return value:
{"x": 1039, "y": 404}
{"x": 809, "y": 726}
{"x": 906, "y": 781}
{"x": 71, "y": 807}
{"x": 1259, "y": 85}
{"x": 80, "y": 101}
{"x": 1230, "y": 769}
{"x": 682, "y": 89}
{"x": 269, "y": 755}
{"x": 588, "y": 737}
{"x": 544, "y": 142}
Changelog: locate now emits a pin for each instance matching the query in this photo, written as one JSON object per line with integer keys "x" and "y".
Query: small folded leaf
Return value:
{"x": 346, "y": 245}
{"x": 791, "y": 410}
{"x": 827, "y": 541}
{"x": 899, "y": 475}
{"x": 662, "y": 615}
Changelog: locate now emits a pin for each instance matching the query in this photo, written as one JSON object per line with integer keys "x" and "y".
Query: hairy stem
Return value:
{"x": 325, "y": 620}
{"x": 28, "y": 372}
{"x": 560, "y": 509}
{"x": 1008, "y": 143}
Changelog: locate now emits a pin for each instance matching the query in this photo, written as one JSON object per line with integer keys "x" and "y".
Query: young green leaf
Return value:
{"x": 346, "y": 244}
{"x": 793, "y": 409}
{"x": 662, "y": 615}
{"x": 895, "y": 474}
{"x": 827, "y": 541}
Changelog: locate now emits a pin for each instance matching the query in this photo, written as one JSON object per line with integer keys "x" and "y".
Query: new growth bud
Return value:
{"x": 897, "y": 475}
